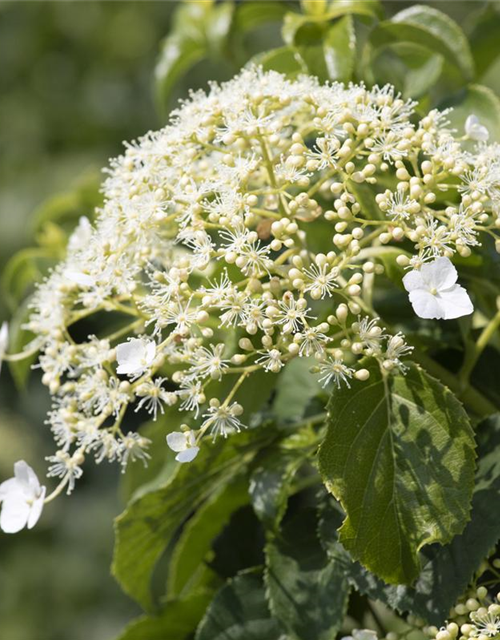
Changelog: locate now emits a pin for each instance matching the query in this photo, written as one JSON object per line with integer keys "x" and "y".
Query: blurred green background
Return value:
{"x": 76, "y": 79}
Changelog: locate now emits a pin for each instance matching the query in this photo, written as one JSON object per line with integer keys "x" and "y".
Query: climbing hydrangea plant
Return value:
{"x": 229, "y": 291}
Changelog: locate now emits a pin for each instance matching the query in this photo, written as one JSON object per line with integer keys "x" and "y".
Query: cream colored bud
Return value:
{"x": 362, "y": 374}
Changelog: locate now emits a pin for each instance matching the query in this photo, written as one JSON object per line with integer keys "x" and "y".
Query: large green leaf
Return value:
{"x": 196, "y": 538}
{"x": 145, "y": 528}
{"x": 307, "y": 591}
{"x": 339, "y": 49}
{"x": 448, "y": 570}
{"x": 430, "y": 28}
{"x": 399, "y": 455}
{"x": 176, "y": 619}
{"x": 239, "y": 611}
{"x": 482, "y": 102}
{"x": 295, "y": 388}
{"x": 253, "y": 13}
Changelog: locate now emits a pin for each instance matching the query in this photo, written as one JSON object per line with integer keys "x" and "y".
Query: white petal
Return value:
{"x": 15, "y": 513}
{"x": 471, "y": 121}
{"x": 475, "y": 130}
{"x": 36, "y": 509}
{"x": 426, "y": 305}
{"x": 439, "y": 274}
{"x": 27, "y": 477}
{"x": 10, "y": 486}
{"x": 82, "y": 279}
{"x": 177, "y": 441}
{"x": 130, "y": 368}
{"x": 455, "y": 302}
{"x": 187, "y": 456}
{"x": 150, "y": 351}
{"x": 413, "y": 280}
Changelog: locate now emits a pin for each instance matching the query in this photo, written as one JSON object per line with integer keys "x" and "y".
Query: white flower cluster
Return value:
{"x": 238, "y": 237}
{"x": 475, "y": 617}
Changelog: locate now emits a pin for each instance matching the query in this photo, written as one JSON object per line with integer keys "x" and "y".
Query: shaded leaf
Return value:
{"x": 399, "y": 455}
{"x": 430, "y": 28}
{"x": 448, "y": 570}
{"x": 239, "y": 611}
{"x": 307, "y": 591}
{"x": 295, "y": 388}
{"x": 195, "y": 540}
{"x": 176, "y": 619}
{"x": 148, "y": 524}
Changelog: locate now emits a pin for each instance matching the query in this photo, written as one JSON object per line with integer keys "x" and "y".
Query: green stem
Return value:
{"x": 473, "y": 356}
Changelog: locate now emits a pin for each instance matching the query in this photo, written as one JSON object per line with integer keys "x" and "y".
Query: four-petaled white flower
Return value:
{"x": 135, "y": 356}
{"x": 475, "y": 130}
{"x": 22, "y": 499}
{"x": 4, "y": 341}
{"x": 183, "y": 442}
{"x": 434, "y": 292}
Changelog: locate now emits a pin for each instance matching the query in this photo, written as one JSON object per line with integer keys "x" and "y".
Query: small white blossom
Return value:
{"x": 22, "y": 499}
{"x": 475, "y": 130}
{"x": 183, "y": 442}
{"x": 135, "y": 356}
{"x": 434, "y": 293}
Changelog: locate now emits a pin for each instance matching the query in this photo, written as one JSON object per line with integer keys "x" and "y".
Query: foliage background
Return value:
{"x": 76, "y": 79}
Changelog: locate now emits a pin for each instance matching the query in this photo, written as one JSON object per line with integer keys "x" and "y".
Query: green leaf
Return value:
{"x": 250, "y": 15}
{"x": 399, "y": 455}
{"x": 19, "y": 338}
{"x": 482, "y": 102}
{"x": 295, "y": 388}
{"x": 484, "y": 40}
{"x": 448, "y": 570}
{"x": 139, "y": 479}
{"x": 239, "y": 611}
{"x": 285, "y": 60}
{"x": 175, "y": 621}
{"x": 196, "y": 537}
{"x": 339, "y": 49}
{"x": 146, "y": 527}
{"x": 200, "y": 30}
{"x": 430, "y": 28}
{"x": 307, "y": 592}
{"x": 24, "y": 269}
{"x": 270, "y": 484}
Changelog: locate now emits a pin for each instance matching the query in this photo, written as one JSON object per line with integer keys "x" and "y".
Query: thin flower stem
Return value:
{"x": 476, "y": 351}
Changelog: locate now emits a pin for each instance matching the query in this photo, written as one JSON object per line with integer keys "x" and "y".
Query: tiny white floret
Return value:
{"x": 79, "y": 278}
{"x": 22, "y": 499}
{"x": 135, "y": 356}
{"x": 183, "y": 442}
{"x": 4, "y": 341}
{"x": 475, "y": 130}
{"x": 434, "y": 292}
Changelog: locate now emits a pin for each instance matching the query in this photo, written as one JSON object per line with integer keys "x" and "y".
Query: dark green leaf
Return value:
{"x": 399, "y": 455}
{"x": 307, "y": 591}
{"x": 198, "y": 534}
{"x": 175, "y": 621}
{"x": 146, "y": 527}
{"x": 430, "y": 28}
{"x": 239, "y": 611}
{"x": 270, "y": 485}
{"x": 295, "y": 388}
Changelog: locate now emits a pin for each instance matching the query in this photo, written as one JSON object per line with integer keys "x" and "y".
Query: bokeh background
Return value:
{"x": 76, "y": 79}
